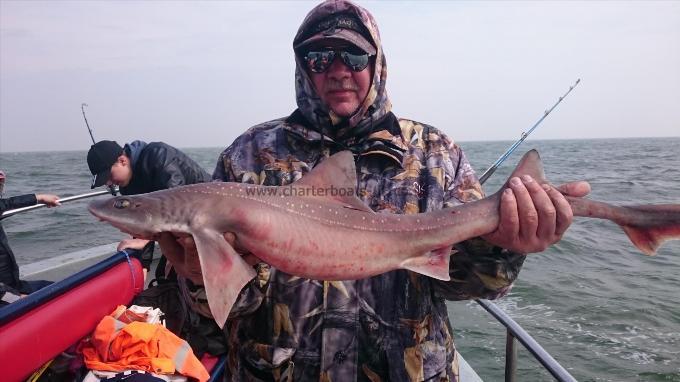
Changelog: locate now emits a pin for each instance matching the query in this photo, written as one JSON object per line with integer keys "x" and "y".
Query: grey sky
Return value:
{"x": 196, "y": 74}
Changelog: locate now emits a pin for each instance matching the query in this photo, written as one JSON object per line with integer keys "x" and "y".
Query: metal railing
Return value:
{"x": 515, "y": 331}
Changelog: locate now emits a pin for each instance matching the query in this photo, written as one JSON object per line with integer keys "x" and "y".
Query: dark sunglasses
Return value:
{"x": 318, "y": 61}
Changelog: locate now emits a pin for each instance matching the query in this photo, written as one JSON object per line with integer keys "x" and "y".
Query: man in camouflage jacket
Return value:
{"x": 393, "y": 326}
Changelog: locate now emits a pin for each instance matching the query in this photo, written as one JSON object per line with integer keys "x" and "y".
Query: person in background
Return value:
{"x": 11, "y": 287}
{"x": 393, "y": 326}
{"x": 141, "y": 167}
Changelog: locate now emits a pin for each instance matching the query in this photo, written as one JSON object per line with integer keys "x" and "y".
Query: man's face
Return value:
{"x": 339, "y": 87}
{"x": 121, "y": 172}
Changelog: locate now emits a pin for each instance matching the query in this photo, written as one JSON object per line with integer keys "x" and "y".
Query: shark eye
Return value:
{"x": 121, "y": 203}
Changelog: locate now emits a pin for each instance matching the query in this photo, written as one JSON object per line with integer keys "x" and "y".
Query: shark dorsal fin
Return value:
{"x": 530, "y": 164}
{"x": 334, "y": 179}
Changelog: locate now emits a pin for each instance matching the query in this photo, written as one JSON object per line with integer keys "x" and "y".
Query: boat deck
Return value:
{"x": 60, "y": 267}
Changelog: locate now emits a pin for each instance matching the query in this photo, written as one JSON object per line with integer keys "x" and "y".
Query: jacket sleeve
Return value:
{"x": 477, "y": 268}
{"x": 17, "y": 202}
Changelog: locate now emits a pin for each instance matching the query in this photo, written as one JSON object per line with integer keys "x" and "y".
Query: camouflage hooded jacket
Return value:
{"x": 390, "y": 327}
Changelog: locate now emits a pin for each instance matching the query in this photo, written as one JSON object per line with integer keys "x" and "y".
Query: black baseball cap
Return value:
{"x": 100, "y": 158}
{"x": 343, "y": 27}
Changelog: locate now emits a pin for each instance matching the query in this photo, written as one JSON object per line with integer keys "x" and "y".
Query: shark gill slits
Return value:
{"x": 121, "y": 204}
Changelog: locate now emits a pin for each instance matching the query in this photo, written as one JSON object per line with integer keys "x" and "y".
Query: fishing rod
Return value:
{"x": 82, "y": 107}
{"x": 524, "y": 136}
{"x": 15, "y": 211}
{"x": 113, "y": 190}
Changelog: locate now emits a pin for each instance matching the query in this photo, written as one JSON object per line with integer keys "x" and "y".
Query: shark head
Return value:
{"x": 135, "y": 215}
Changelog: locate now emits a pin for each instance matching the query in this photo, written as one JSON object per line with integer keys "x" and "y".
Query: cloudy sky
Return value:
{"x": 196, "y": 74}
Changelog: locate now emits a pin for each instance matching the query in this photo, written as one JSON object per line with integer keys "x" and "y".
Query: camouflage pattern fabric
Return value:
{"x": 390, "y": 327}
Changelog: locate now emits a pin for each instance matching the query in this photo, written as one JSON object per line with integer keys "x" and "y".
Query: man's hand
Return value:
{"x": 132, "y": 244}
{"x": 249, "y": 258}
{"x": 180, "y": 250}
{"x": 48, "y": 199}
{"x": 534, "y": 216}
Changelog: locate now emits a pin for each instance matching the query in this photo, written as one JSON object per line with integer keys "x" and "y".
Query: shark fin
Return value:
{"x": 225, "y": 273}
{"x": 337, "y": 170}
{"x": 334, "y": 179}
{"x": 530, "y": 164}
{"x": 434, "y": 264}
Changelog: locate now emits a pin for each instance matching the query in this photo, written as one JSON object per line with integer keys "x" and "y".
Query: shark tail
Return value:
{"x": 647, "y": 226}
{"x": 650, "y": 226}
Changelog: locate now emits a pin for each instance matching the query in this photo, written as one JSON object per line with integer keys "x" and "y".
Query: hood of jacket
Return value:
{"x": 134, "y": 150}
{"x": 375, "y": 107}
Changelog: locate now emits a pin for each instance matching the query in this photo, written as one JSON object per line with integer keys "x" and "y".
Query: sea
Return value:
{"x": 601, "y": 308}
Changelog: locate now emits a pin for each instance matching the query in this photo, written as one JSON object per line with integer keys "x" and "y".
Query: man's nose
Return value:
{"x": 338, "y": 69}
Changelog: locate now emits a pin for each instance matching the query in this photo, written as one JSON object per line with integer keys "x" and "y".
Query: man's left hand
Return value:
{"x": 534, "y": 216}
{"x": 49, "y": 200}
{"x": 133, "y": 243}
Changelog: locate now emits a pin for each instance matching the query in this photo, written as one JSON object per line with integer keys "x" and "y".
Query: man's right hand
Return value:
{"x": 180, "y": 250}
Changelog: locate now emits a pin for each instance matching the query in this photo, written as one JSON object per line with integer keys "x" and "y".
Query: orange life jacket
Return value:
{"x": 116, "y": 346}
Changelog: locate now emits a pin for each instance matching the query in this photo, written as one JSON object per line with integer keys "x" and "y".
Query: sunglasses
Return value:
{"x": 318, "y": 61}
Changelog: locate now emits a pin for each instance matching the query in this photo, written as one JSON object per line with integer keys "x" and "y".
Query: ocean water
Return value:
{"x": 602, "y": 309}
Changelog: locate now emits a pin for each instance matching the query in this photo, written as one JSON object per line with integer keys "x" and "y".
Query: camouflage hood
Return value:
{"x": 375, "y": 107}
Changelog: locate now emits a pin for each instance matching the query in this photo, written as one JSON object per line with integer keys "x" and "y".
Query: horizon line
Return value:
{"x": 454, "y": 141}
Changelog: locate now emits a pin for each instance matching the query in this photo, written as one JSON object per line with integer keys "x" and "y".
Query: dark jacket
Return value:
{"x": 9, "y": 270}
{"x": 159, "y": 166}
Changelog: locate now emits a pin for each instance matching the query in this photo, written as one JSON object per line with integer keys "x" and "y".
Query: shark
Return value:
{"x": 317, "y": 227}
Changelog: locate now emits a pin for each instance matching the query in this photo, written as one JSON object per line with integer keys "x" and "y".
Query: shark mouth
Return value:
{"x": 123, "y": 227}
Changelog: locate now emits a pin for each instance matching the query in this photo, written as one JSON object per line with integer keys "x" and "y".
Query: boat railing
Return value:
{"x": 516, "y": 332}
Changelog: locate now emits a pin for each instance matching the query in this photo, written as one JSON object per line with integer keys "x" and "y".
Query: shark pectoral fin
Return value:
{"x": 434, "y": 264}
{"x": 225, "y": 273}
{"x": 649, "y": 239}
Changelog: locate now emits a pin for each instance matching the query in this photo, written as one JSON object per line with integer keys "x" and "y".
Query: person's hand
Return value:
{"x": 534, "y": 216}
{"x": 248, "y": 257}
{"x": 180, "y": 250}
{"x": 48, "y": 199}
{"x": 132, "y": 243}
